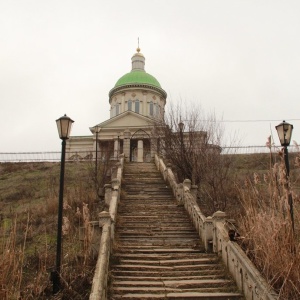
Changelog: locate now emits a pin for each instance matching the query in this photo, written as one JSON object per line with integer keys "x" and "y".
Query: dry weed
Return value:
{"x": 266, "y": 225}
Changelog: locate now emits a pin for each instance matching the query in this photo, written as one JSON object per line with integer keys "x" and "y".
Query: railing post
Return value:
{"x": 107, "y": 195}
{"x": 179, "y": 194}
{"x": 115, "y": 184}
{"x": 168, "y": 169}
{"x": 218, "y": 217}
{"x": 187, "y": 184}
{"x": 194, "y": 190}
{"x": 208, "y": 234}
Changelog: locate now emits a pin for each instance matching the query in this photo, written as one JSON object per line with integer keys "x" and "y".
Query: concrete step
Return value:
{"x": 162, "y": 256}
{"x": 158, "y": 253}
{"x": 195, "y": 284}
{"x": 132, "y": 249}
{"x": 179, "y": 277}
{"x": 180, "y": 296}
{"x": 212, "y": 272}
{"x": 162, "y": 268}
{"x": 171, "y": 262}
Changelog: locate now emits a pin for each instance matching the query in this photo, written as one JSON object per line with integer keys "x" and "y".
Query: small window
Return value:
{"x": 137, "y": 106}
{"x": 129, "y": 105}
{"x": 117, "y": 109}
{"x": 151, "y": 108}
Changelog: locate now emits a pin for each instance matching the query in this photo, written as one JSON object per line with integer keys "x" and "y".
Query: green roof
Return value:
{"x": 137, "y": 77}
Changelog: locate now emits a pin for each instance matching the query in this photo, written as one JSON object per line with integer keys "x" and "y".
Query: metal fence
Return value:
{"x": 55, "y": 156}
{"x": 50, "y": 156}
{"x": 257, "y": 149}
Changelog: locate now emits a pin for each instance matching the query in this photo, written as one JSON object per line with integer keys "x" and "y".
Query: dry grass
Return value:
{"x": 29, "y": 200}
{"x": 267, "y": 228}
{"x": 29, "y": 203}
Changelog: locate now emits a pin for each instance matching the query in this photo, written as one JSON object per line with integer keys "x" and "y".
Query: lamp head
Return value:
{"x": 64, "y": 125}
{"x": 284, "y": 131}
{"x": 181, "y": 126}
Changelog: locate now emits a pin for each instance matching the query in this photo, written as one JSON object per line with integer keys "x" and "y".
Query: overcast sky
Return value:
{"x": 238, "y": 58}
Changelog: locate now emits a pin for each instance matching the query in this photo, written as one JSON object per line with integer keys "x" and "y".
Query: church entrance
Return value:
{"x": 140, "y": 149}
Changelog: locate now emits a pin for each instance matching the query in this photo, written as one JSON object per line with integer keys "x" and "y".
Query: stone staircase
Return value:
{"x": 158, "y": 253}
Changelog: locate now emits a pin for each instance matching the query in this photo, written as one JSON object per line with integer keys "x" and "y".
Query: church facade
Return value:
{"x": 136, "y": 101}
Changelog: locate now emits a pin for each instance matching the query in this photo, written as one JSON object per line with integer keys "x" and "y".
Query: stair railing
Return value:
{"x": 215, "y": 234}
{"x": 107, "y": 224}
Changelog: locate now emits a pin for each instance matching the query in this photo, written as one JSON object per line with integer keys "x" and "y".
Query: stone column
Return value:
{"x": 116, "y": 148}
{"x": 126, "y": 145}
{"x": 140, "y": 152}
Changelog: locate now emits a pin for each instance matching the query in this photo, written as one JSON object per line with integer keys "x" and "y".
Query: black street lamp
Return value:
{"x": 284, "y": 131}
{"x": 181, "y": 128}
{"x": 182, "y": 154}
{"x": 119, "y": 146}
{"x": 64, "y": 125}
{"x": 96, "y": 159}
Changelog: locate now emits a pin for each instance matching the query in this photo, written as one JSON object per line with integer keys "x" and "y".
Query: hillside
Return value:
{"x": 28, "y": 206}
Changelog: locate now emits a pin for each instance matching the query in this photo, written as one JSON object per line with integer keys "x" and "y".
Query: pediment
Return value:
{"x": 126, "y": 119}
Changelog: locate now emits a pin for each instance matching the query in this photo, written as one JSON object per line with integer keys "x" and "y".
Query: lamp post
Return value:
{"x": 118, "y": 150}
{"x": 64, "y": 125}
{"x": 181, "y": 127}
{"x": 96, "y": 158}
{"x": 284, "y": 131}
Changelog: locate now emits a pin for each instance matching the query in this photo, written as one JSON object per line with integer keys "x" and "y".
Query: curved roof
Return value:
{"x": 137, "y": 77}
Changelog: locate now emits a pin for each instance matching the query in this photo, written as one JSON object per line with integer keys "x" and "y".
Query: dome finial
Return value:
{"x": 138, "y": 48}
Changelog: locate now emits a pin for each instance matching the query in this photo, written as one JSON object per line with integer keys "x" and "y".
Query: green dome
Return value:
{"x": 137, "y": 77}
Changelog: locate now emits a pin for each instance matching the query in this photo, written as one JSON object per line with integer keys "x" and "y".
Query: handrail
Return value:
{"x": 213, "y": 232}
{"x": 107, "y": 222}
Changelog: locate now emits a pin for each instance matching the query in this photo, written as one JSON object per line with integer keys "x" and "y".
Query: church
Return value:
{"x": 137, "y": 102}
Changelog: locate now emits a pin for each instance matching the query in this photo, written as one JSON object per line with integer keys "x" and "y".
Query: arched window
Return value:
{"x": 151, "y": 108}
{"x": 137, "y": 106}
{"x": 129, "y": 105}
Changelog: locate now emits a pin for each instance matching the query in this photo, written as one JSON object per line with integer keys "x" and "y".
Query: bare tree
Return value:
{"x": 101, "y": 171}
{"x": 192, "y": 142}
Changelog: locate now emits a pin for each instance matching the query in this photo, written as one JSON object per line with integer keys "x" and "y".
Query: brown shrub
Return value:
{"x": 266, "y": 226}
